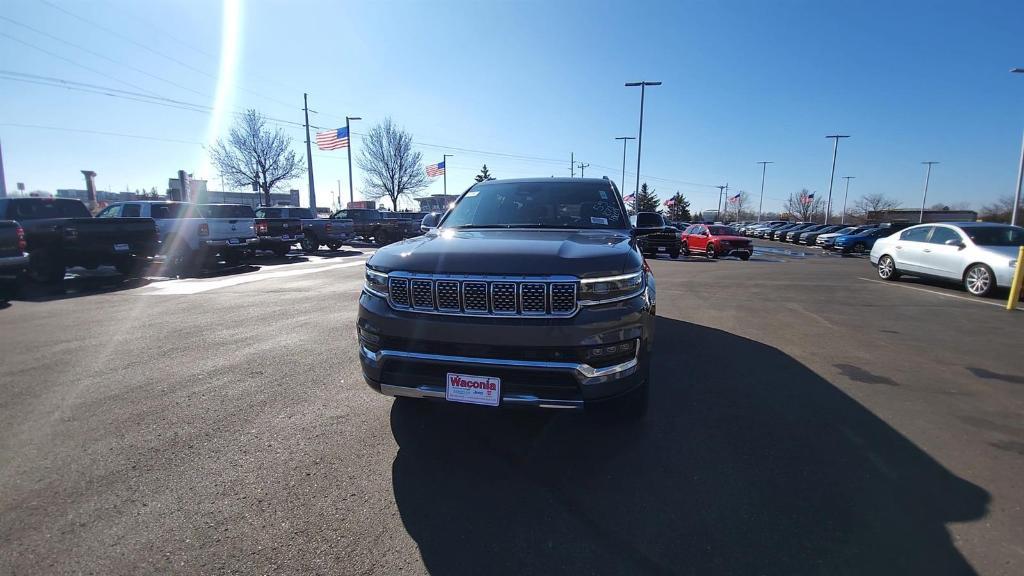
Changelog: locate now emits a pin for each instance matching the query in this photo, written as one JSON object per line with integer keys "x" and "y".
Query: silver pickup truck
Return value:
{"x": 317, "y": 232}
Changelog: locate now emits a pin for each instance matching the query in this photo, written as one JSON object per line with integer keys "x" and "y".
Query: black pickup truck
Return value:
{"x": 60, "y": 232}
{"x": 655, "y": 236}
{"x": 383, "y": 227}
{"x": 528, "y": 292}
{"x": 277, "y": 234}
{"x": 13, "y": 258}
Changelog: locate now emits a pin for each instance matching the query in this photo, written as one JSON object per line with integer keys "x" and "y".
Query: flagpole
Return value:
{"x": 348, "y": 131}
{"x": 444, "y": 160}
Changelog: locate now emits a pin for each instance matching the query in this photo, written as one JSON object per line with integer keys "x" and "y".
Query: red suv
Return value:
{"x": 715, "y": 240}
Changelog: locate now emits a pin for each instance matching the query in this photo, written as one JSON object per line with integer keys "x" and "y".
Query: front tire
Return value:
{"x": 744, "y": 257}
{"x": 711, "y": 253}
{"x": 334, "y": 246}
{"x": 887, "y": 268}
{"x": 309, "y": 244}
{"x": 685, "y": 249}
{"x": 674, "y": 254}
{"x": 979, "y": 280}
{"x": 859, "y": 248}
{"x": 282, "y": 250}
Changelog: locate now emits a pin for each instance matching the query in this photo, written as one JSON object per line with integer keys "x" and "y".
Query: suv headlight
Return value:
{"x": 376, "y": 282}
{"x": 611, "y": 288}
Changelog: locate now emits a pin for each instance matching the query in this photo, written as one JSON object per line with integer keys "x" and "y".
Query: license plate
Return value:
{"x": 121, "y": 247}
{"x": 233, "y": 241}
{"x": 483, "y": 390}
{"x": 661, "y": 248}
{"x": 285, "y": 237}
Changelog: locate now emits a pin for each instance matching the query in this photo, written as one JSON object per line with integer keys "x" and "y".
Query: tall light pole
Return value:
{"x": 845, "y": 196}
{"x": 643, "y": 84}
{"x": 444, "y": 160}
{"x": 624, "y": 139}
{"x": 924, "y": 198}
{"x": 1020, "y": 170}
{"x": 348, "y": 130}
{"x": 835, "y": 151}
{"x": 309, "y": 154}
{"x": 764, "y": 166}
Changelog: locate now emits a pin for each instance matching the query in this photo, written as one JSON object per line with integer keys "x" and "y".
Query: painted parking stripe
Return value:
{"x": 192, "y": 286}
{"x": 964, "y": 298}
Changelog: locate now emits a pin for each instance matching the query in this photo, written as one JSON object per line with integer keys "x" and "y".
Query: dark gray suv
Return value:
{"x": 528, "y": 293}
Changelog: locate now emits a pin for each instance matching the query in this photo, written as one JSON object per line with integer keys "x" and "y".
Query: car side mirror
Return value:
{"x": 429, "y": 222}
{"x": 955, "y": 242}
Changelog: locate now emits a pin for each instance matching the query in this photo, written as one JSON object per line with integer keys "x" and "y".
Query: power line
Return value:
{"x": 100, "y": 132}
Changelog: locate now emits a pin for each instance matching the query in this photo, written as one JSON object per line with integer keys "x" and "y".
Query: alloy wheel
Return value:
{"x": 978, "y": 280}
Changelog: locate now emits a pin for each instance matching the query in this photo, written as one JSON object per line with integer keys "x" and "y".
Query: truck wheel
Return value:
{"x": 309, "y": 244}
{"x": 233, "y": 258}
{"x": 334, "y": 246}
{"x": 282, "y": 250}
{"x": 46, "y": 268}
{"x": 686, "y": 249}
{"x": 674, "y": 254}
{"x": 128, "y": 266}
{"x": 382, "y": 237}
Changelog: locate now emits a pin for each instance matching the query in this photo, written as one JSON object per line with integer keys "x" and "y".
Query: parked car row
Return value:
{"x": 840, "y": 237}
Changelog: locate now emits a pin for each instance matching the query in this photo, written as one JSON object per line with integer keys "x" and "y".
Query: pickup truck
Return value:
{"x": 13, "y": 258}
{"x": 230, "y": 231}
{"x": 383, "y": 227}
{"x": 60, "y": 232}
{"x": 529, "y": 292}
{"x": 316, "y": 232}
{"x": 655, "y": 236}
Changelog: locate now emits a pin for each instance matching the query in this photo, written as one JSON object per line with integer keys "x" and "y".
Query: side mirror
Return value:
{"x": 956, "y": 242}
{"x": 429, "y": 222}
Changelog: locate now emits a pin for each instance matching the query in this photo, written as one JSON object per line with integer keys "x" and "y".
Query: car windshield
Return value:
{"x": 556, "y": 204}
{"x": 722, "y": 231}
{"x": 995, "y": 235}
{"x": 225, "y": 211}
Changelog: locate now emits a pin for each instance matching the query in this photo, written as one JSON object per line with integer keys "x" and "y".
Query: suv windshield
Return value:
{"x": 225, "y": 211}
{"x": 554, "y": 204}
{"x": 996, "y": 235}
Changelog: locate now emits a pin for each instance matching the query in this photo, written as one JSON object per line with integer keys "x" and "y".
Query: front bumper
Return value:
{"x": 547, "y": 383}
{"x": 12, "y": 266}
{"x": 227, "y": 243}
{"x": 270, "y": 241}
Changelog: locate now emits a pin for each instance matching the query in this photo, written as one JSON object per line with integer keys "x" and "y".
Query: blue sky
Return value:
{"x": 495, "y": 82}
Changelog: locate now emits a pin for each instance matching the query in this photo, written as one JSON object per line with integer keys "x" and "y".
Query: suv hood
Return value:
{"x": 513, "y": 252}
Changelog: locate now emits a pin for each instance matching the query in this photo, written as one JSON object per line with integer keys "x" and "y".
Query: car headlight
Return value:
{"x": 611, "y": 288}
{"x": 376, "y": 282}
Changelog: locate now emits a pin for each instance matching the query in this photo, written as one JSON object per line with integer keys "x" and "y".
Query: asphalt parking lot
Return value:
{"x": 806, "y": 419}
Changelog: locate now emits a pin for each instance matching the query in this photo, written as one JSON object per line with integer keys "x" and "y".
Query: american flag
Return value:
{"x": 808, "y": 199}
{"x": 629, "y": 198}
{"x": 670, "y": 202}
{"x": 734, "y": 199}
{"x": 332, "y": 139}
{"x": 435, "y": 169}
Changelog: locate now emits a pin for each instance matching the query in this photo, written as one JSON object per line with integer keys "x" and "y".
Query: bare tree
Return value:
{"x": 256, "y": 154}
{"x": 738, "y": 200}
{"x": 998, "y": 211}
{"x": 391, "y": 167}
{"x": 803, "y": 206}
{"x": 874, "y": 203}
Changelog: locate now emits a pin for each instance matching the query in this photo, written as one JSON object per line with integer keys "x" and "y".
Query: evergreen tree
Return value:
{"x": 679, "y": 211}
{"x": 484, "y": 175}
{"x": 646, "y": 200}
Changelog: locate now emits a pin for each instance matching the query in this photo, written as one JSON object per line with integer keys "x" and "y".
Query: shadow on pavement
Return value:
{"x": 761, "y": 468}
{"x": 343, "y": 253}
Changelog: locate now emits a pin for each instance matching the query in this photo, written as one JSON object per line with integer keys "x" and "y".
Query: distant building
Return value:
{"x": 435, "y": 202}
{"x": 102, "y": 196}
{"x": 914, "y": 215}
{"x": 199, "y": 194}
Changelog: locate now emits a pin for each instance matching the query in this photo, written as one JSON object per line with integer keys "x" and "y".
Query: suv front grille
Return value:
{"x": 499, "y": 296}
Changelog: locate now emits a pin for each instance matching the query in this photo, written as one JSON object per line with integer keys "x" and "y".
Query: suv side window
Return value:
{"x": 131, "y": 211}
{"x": 916, "y": 234}
{"x": 341, "y": 214}
{"x": 941, "y": 235}
{"x": 110, "y": 212}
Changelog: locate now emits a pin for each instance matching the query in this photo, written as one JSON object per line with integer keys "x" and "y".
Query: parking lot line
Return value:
{"x": 192, "y": 286}
{"x": 964, "y": 298}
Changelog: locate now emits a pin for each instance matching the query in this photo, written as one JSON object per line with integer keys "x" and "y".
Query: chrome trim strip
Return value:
{"x": 488, "y": 281}
{"x": 584, "y": 370}
{"x": 610, "y": 278}
{"x": 611, "y": 300}
{"x": 512, "y": 399}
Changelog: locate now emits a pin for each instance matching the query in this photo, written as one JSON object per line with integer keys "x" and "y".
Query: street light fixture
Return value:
{"x": 764, "y": 165}
{"x": 924, "y": 198}
{"x": 643, "y": 84}
{"x": 624, "y": 139}
{"x": 845, "y": 197}
{"x": 1020, "y": 170}
{"x": 835, "y": 151}
{"x": 348, "y": 130}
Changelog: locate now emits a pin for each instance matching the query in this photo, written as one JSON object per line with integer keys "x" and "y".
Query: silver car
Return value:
{"x": 981, "y": 255}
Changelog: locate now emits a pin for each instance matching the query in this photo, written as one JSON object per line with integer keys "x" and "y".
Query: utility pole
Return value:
{"x": 624, "y": 140}
{"x": 845, "y": 196}
{"x": 339, "y": 194}
{"x": 1020, "y": 170}
{"x": 572, "y": 164}
{"x": 444, "y": 176}
{"x": 721, "y": 190}
{"x": 835, "y": 151}
{"x": 582, "y": 166}
{"x": 764, "y": 166}
{"x": 309, "y": 154}
{"x": 924, "y": 198}
{"x": 348, "y": 133}
{"x": 643, "y": 84}
{"x": 3, "y": 179}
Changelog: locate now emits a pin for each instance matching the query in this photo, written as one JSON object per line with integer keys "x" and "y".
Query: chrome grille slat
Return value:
{"x": 549, "y": 296}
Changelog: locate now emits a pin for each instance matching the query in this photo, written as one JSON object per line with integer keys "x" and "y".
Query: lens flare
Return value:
{"x": 230, "y": 46}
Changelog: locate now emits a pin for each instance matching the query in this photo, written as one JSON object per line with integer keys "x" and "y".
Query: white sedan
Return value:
{"x": 981, "y": 255}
